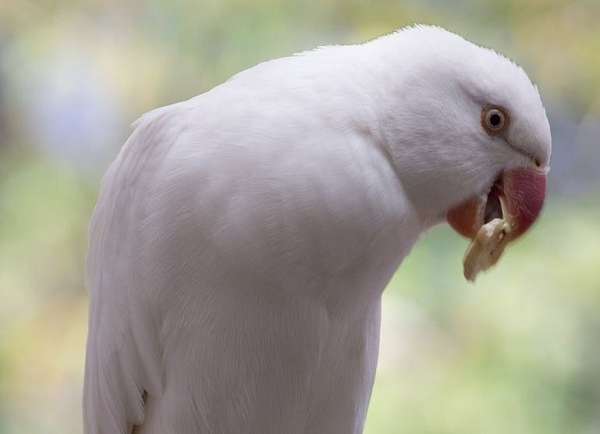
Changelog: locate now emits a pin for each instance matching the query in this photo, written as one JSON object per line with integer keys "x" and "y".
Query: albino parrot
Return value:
{"x": 243, "y": 238}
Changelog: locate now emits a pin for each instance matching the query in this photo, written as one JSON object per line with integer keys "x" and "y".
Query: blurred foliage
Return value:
{"x": 518, "y": 352}
{"x": 515, "y": 353}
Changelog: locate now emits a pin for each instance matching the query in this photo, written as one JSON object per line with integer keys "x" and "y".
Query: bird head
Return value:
{"x": 469, "y": 136}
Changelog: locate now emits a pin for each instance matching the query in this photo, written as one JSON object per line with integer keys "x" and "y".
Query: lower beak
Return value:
{"x": 517, "y": 197}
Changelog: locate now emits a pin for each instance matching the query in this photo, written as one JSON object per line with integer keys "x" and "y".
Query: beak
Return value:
{"x": 517, "y": 196}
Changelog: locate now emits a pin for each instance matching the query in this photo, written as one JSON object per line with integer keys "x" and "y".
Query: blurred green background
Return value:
{"x": 517, "y": 353}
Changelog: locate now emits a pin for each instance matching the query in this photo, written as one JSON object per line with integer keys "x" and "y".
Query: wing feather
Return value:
{"x": 123, "y": 354}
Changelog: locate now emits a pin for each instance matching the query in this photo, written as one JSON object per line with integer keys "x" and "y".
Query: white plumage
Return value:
{"x": 243, "y": 238}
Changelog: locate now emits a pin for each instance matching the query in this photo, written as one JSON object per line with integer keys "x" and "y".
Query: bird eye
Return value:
{"x": 494, "y": 119}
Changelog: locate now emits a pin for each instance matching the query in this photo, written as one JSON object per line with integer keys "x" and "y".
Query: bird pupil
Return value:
{"x": 495, "y": 119}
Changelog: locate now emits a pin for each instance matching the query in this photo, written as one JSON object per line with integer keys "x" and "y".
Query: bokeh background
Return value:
{"x": 519, "y": 352}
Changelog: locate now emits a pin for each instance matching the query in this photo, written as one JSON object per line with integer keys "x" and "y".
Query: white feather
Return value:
{"x": 243, "y": 238}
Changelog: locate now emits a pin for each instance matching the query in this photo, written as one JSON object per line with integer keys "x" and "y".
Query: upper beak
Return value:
{"x": 517, "y": 196}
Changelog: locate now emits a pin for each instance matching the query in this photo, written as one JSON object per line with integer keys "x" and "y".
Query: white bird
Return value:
{"x": 243, "y": 238}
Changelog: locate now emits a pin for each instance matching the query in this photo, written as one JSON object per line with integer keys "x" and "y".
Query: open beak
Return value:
{"x": 517, "y": 196}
